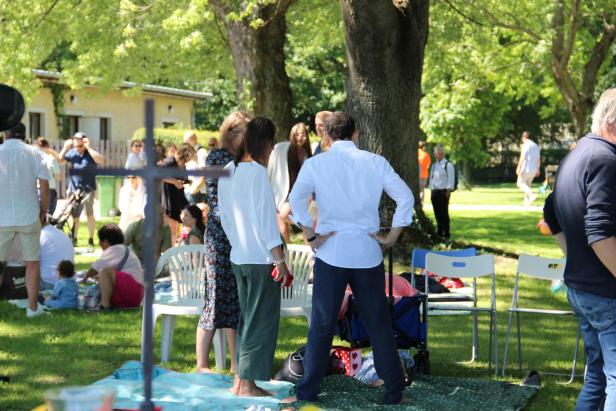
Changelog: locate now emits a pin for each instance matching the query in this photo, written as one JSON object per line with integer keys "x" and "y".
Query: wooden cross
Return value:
{"x": 152, "y": 176}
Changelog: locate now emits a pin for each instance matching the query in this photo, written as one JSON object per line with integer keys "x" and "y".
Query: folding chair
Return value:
{"x": 418, "y": 262}
{"x": 470, "y": 267}
{"x": 295, "y": 300}
{"x": 542, "y": 269}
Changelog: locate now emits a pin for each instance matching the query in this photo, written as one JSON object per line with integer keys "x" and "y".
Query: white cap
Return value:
{"x": 79, "y": 134}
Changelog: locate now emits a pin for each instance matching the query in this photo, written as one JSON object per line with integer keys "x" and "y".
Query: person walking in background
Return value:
{"x": 51, "y": 162}
{"x": 442, "y": 181}
{"x": 528, "y": 167}
{"x": 221, "y": 309}
{"x": 319, "y": 126}
{"x": 23, "y": 208}
{"x": 248, "y": 216}
{"x": 423, "y": 158}
{"x": 584, "y": 202}
{"x": 82, "y": 157}
{"x": 349, "y": 183}
{"x": 283, "y": 167}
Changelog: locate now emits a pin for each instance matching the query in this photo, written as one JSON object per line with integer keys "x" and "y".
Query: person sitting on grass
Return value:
{"x": 65, "y": 290}
{"x": 118, "y": 271}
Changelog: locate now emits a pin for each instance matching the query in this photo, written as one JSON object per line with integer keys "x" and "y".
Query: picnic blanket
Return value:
{"x": 176, "y": 391}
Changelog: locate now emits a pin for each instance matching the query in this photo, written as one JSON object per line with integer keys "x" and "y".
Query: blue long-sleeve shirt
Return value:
{"x": 585, "y": 205}
{"x": 64, "y": 295}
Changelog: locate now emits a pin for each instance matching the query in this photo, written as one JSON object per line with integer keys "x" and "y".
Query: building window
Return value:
{"x": 168, "y": 124}
{"x": 35, "y": 125}
{"x": 70, "y": 125}
{"x": 104, "y": 129}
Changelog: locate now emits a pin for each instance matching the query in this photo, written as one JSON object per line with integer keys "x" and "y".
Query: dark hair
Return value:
{"x": 297, "y": 154}
{"x": 42, "y": 142}
{"x": 18, "y": 131}
{"x": 185, "y": 153}
{"x": 66, "y": 269}
{"x": 259, "y": 137}
{"x": 112, "y": 233}
{"x": 340, "y": 126}
{"x": 197, "y": 214}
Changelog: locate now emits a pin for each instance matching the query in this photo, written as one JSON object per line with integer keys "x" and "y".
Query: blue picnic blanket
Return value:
{"x": 175, "y": 391}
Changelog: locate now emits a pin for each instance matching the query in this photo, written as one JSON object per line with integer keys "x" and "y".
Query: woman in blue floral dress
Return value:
{"x": 221, "y": 309}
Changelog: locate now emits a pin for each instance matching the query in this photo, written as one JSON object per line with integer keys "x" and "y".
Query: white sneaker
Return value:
{"x": 35, "y": 313}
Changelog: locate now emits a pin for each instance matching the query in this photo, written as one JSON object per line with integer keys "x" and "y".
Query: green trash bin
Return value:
{"x": 106, "y": 195}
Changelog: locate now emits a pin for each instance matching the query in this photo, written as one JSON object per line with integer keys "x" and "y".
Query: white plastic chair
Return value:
{"x": 542, "y": 269}
{"x": 186, "y": 265}
{"x": 469, "y": 267}
{"x": 295, "y": 300}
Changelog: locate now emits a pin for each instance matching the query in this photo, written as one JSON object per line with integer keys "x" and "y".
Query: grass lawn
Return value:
{"x": 494, "y": 194}
{"x": 75, "y": 348}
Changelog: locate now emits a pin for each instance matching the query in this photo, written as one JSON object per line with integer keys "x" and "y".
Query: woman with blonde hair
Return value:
{"x": 221, "y": 309}
{"x": 283, "y": 167}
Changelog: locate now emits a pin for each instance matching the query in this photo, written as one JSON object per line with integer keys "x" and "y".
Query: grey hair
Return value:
{"x": 440, "y": 148}
{"x": 605, "y": 110}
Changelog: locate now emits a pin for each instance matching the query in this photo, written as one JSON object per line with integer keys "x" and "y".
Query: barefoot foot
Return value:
{"x": 204, "y": 370}
{"x": 289, "y": 400}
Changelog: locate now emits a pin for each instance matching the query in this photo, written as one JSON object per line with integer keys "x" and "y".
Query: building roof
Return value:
{"x": 149, "y": 88}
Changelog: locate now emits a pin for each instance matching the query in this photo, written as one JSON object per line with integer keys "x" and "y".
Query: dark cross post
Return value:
{"x": 152, "y": 176}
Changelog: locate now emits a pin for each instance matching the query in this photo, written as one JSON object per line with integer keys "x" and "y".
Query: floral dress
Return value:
{"x": 222, "y": 307}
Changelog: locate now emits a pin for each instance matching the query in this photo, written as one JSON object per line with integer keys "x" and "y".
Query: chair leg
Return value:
{"x": 220, "y": 350}
{"x": 307, "y": 314}
{"x": 519, "y": 343}
{"x": 575, "y": 355}
{"x": 495, "y": 345}
{"x": 490, "y": 346}
{"x": 168, "y": 325}
{"x": 507, "y": 343}
{"x": 475, "y": 351}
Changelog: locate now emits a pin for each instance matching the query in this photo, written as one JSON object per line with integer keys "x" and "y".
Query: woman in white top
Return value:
{"x": 248, "y": 217}
{"x": 284, "y": 164}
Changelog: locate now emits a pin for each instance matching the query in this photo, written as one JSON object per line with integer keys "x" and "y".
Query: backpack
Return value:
{"x": 293, "y": 368}
{"x": 455, "y": 175}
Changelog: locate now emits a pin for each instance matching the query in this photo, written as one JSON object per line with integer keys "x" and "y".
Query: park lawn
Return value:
{"x": 76, "y": 348}
{"x": 493, "y": 194}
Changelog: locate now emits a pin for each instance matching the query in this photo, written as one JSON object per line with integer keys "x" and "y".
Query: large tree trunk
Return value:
{"x": 385, "y": 52}
{"x": 258, "y": 53}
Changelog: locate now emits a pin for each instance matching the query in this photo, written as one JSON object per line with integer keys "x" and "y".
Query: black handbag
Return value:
{"x": 13, "y": 285}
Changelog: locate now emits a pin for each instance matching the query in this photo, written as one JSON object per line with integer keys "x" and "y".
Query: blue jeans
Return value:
{"x": 597, "y": 316}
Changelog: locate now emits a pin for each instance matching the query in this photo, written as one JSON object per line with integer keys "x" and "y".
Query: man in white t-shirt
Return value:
{"x": 528, "y": 167}
{"x": 55, "y": 247}
{"x": 23, "y": 207}
{"x": 118, "y": 271}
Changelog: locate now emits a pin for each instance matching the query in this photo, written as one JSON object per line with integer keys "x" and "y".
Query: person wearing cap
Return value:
{"x": 23, "y": 208}
{"x": 82, "y": 157}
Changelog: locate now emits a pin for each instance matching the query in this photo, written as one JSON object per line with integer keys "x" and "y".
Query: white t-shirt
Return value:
{"x": 21, "y": 166}
{"x": 530, "y": 157}
{"x": 55, "y": 247}
{"x": 248, "y": 213}
{"x": 113, "y": 255}
{"x": 134, "y": 162}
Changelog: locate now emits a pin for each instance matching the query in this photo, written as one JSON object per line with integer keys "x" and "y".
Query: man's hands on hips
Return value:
{"x": 388, "y": 241}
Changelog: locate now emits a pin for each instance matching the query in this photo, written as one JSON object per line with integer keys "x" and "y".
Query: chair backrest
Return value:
{"x": 461, "y": 267}
{"x": 418, "y": 257}
{"x": 541, "y": 267}
{"x": 186, "y": 264}
{"x": 300, "y": 260}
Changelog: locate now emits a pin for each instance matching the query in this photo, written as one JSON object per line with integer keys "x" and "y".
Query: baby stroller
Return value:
{"x": 408, "y": 322}
{"x": 74, "y": 201}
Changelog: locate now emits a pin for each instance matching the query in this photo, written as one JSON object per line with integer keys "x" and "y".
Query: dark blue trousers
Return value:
{"x": 368, "y": 285}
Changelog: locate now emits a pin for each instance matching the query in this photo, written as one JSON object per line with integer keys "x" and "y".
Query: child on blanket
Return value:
{"x": 65, "y": 291}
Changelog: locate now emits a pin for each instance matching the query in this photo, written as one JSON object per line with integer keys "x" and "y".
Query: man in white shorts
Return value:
{"x": 23, "y": 208}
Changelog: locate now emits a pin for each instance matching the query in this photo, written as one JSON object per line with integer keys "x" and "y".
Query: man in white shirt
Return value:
{"x": 528, "y": 167}
{"x": 55, "y": 247}
{"x": 442, "y": 182}
{"x": 21, "y": 214}
{"x": 348, "y": 183}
